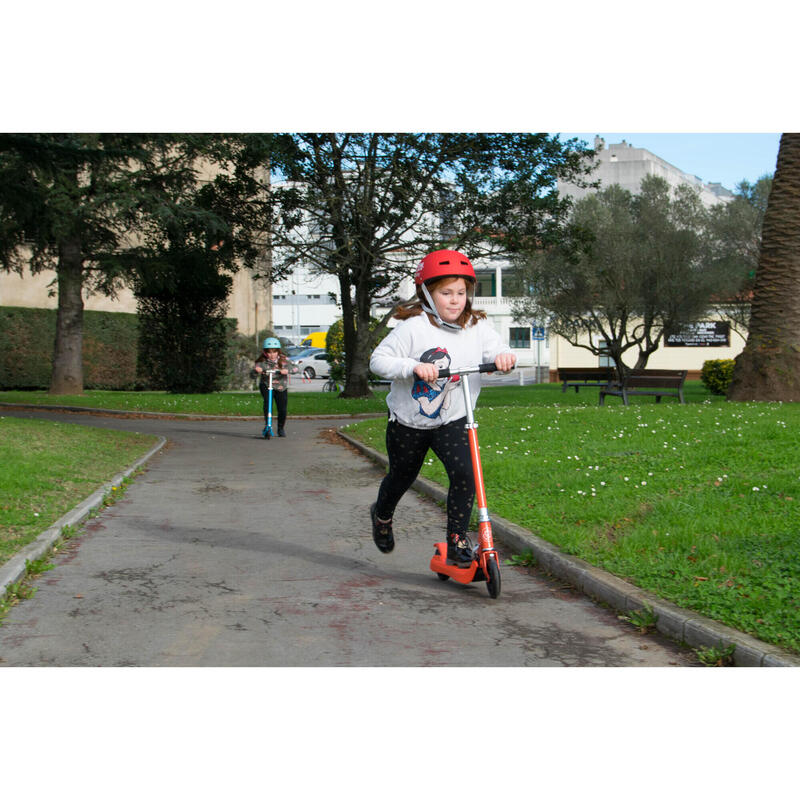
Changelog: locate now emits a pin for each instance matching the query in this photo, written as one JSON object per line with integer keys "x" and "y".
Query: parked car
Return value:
{"x": 313, "y": 364}
{"x": 296, "y": 350}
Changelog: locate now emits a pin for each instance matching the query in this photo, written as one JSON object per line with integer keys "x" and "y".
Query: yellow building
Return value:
{"x": 250, "y": 302}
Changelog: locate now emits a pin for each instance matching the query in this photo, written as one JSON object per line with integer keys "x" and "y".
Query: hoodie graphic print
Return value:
{"x": 419, "y": 404}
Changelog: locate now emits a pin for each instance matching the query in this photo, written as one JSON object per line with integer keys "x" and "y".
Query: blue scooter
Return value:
{"x": 267, "y": 432}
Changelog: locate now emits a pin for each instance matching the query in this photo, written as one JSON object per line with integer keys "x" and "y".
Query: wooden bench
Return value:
{"x": 585, "y": 376}
{"x": 655, "y": 382}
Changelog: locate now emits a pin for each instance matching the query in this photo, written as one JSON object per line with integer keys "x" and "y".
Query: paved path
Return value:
{"x": 234, "y": 551}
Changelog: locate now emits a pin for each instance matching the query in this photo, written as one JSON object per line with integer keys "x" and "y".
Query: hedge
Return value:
{"x": 26, "y": 348}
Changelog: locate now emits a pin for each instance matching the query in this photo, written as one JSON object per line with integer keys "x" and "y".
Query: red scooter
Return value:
{"x": 485, "y": 564}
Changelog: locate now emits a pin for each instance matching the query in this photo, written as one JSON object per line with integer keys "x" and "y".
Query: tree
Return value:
{"x": 98, "y": 207}
{"x": 365, "y": 207}
{"x": 61, "y": 208}
{"x": 735, "y": 230}
{"x": 334, "y": 346}
{"x": 769, "y": 366}
{"x": 198, "y": 229}
{"x": 629, "y": 270}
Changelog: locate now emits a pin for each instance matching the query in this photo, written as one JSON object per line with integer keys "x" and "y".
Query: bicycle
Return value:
{"x": 331, "y": 385}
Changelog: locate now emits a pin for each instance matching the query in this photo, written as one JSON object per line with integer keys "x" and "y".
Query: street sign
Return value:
{"x": 538, "y": 334}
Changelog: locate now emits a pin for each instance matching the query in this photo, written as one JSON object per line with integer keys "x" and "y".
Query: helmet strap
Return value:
{"x": 430, "y": 307}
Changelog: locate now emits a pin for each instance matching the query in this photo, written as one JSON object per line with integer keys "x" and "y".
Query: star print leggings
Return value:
{"x": 407, "y": 448}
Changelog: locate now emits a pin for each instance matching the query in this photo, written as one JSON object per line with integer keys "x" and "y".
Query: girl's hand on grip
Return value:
{"x": 426, "y": 372}
{"x": 505, "y": 362}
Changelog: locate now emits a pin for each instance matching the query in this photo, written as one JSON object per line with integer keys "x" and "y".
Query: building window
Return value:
{"x": 514, "y": 284}
{"x": 604, "y": 358}
{"x": 519, "y": 337}
{"x": 486, "y": 284}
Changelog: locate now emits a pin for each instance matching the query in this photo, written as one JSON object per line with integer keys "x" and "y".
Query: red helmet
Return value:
{"x": 444, "y": 263}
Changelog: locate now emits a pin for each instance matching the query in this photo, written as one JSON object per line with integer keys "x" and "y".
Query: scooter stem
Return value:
{"x": 485, "y": 540}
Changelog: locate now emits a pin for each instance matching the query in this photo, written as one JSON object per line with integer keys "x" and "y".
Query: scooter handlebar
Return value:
{"x": 489, "y": 367}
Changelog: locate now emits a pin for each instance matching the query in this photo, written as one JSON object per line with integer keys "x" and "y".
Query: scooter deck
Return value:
{"x": 469, "y": 574}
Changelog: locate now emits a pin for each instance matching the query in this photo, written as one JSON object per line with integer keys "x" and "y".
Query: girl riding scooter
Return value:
{"x": 437, "y": 327}
{"x": 271, "y": 358}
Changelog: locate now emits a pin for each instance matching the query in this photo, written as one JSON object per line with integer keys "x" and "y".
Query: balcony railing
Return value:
{"x": 498, "y": 303}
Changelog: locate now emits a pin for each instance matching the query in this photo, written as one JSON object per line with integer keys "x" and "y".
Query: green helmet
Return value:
{"x": 271, "y": 343}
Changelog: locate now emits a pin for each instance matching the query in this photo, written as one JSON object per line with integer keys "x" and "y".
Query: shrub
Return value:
{"x": 334, "y": 346}
{"x": 28, "y": 334}
{"x": 717, "y": 375}
{"x": 182, "y": 328}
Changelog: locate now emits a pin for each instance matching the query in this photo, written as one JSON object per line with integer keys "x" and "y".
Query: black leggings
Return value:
{"x": 281, "y": 403}
{"x": 407, "y": 448}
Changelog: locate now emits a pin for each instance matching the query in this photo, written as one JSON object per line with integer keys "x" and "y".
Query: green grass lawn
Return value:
{"x": 699, "y": 503}
{"x": 47, "y": 468}
{"x": 230, "y": 404}
{"x": 304, "y": 403}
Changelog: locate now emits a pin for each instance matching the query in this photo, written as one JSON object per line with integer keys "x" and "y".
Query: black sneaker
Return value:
{"x": 381, "y": 532}
{"x": 281, "y": 432}
{"x": 459, "y": 550}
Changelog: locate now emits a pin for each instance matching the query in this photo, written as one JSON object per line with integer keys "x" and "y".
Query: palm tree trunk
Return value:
{"x": 769, "y": 366}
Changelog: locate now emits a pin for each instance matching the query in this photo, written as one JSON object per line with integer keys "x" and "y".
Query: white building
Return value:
{"x": 304, "y": 303}
{"x": 626, "y": 165}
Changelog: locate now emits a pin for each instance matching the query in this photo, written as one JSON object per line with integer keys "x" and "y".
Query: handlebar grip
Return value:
{"x": 489, "y": 367}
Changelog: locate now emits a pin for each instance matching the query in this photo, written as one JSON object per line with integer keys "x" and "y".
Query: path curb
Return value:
{"x": 16, "y": 567}
{"x": 677, "y": 623}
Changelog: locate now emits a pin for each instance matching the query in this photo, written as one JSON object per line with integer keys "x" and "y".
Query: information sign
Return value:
{"x": 701, "y": 334}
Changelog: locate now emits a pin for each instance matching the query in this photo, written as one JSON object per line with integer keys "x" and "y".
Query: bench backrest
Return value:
{"x": 656, "y": 379}
{"x": 585, "y": 373}
{"x": 649, "y": 372}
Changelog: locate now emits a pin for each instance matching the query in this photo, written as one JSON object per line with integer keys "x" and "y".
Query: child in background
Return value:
{"x": 272, "y": 358}
{"x": 438, "y": 328}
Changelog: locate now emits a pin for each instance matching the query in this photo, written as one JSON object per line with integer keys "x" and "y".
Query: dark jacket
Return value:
{"x": 280, "y": 383}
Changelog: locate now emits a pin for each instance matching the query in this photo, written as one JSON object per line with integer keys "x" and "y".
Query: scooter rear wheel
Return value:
{"x": 442, "y": 577}
{"x": 492, "y": 578}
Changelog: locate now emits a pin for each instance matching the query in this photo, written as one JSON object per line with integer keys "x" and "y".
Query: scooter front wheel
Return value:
{"x": 492, "y": 578}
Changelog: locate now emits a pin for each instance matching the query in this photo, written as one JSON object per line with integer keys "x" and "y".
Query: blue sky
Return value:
{"x": 725, "y": 158}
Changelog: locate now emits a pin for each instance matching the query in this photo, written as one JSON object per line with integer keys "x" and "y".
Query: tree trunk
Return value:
{"x": 357, "y": 379}
{"x": 67, "y": 375}
{"x": 769, "y": 366}
{"x": 357, "y": 346}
